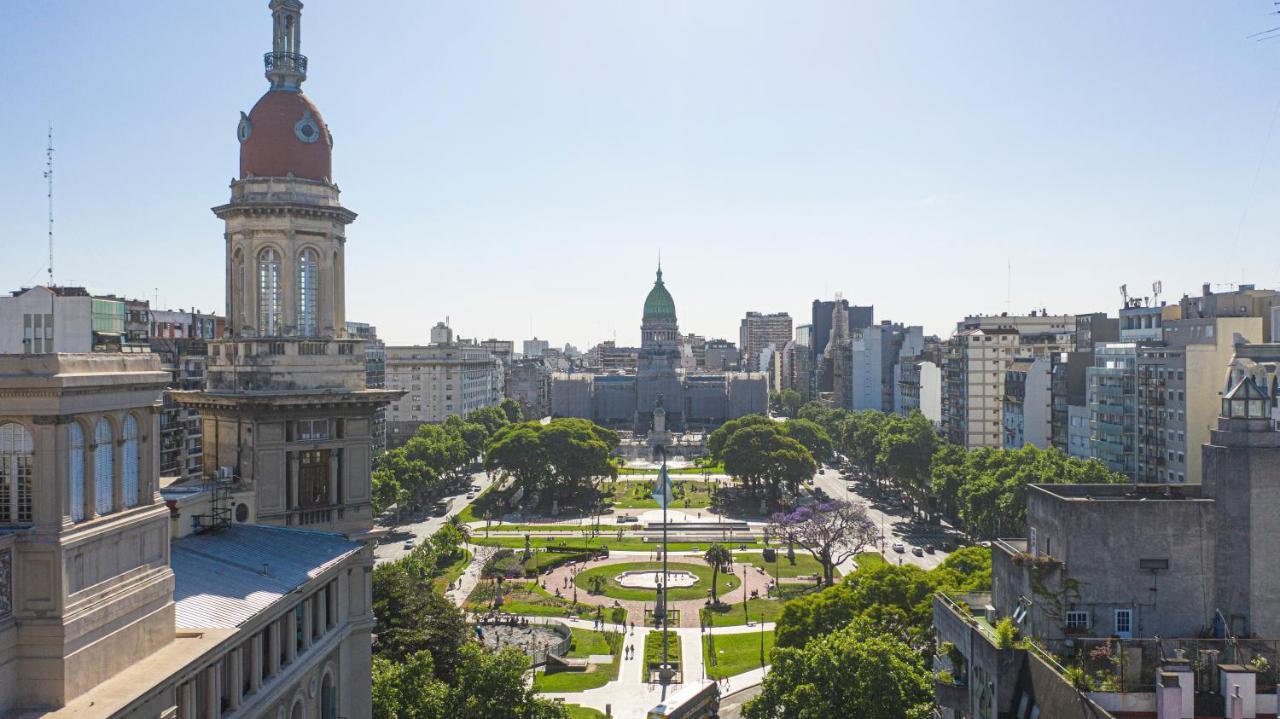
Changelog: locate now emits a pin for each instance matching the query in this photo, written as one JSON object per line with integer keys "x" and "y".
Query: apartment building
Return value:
{"x": 758, "y": 331}
{"x": 441, "y": 379}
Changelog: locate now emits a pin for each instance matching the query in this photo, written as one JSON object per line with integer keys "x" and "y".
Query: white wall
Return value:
{"x": 72, "y": 320}
{"x": 1037, "y": 426}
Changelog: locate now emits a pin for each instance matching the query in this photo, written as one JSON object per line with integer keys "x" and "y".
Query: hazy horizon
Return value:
{"x": 517, "y": 168}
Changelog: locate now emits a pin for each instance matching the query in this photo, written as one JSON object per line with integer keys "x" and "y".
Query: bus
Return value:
{"x": 699, "y": 700}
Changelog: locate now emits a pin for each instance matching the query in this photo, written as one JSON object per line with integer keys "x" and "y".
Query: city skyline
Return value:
{"x": 492, "y": 151}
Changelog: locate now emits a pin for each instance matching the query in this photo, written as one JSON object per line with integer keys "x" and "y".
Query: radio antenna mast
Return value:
{"x": 48, "y": 175}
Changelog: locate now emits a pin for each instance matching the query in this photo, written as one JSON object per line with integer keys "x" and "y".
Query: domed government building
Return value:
{"x": 693, "y": 401}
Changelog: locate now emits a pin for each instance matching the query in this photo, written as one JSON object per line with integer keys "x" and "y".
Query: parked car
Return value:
{"x": 471, "y": 495}
{"x": 917, "y": 551}
{"x": 408, "y": 544}
{"x": 930, "y": 548}
{"x": 899, "y": 547}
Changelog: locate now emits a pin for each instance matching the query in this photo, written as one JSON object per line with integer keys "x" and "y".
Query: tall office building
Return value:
{"x": 758, "y": 331}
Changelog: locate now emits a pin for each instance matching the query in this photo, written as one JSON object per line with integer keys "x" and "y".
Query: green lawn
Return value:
{"x": 731, "y": 614}
{"x": 604, "y": 540}
{"x": 870, "y": 559}
{"x": 450, "y": 573}
{"x": 735, "y": 653}
{"x": 653, "y": 649}
{"x": 805, "y": 566}
{"x": 577, "y": 711}
{"x": 584, "y": 643}
{"x": 726, "y": 582}
{"x": 526, "y": 597}
{"x": 692, "y": 494}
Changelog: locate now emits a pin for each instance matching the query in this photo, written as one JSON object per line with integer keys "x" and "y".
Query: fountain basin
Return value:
{"x": 649, "y": 579}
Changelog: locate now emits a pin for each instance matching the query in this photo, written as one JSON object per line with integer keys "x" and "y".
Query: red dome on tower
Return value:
{"x": 284, "y": 133}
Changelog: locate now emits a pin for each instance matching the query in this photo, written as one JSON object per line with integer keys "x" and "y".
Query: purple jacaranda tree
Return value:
{"x": 831, "y": 531}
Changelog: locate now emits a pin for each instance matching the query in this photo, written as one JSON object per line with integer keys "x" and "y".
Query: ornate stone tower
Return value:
{"x": 286, "y": 408}
{"x": 658, "y": 373}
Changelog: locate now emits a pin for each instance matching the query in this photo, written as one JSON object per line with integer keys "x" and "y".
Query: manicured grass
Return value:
{"x": 577, "y": 711}
{"x": 735, "y": 653}
{"x": 584, "y": 643}
{"x": 526, "y": 597}
{"x": 692, "y": 494}
{"x": 451, "y": 573}
{"x": 629, "y": 543}
{"x": 805, "y": 566}
{"x": 653, "y": 649}
{"x": 609, "y": 572}
{"x": 870, "y": 559}
{"x": 731, "y": 615}
{"x": 488, "y": 500}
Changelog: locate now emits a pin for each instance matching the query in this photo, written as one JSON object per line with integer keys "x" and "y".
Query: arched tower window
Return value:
{"x": 268, "y": 293}
{"x": 75, "y": 468}
{"x": 15, "y": 474}
{"x": 129, "y": 463}
{"x": 103, "y": 468}
{"x": 308, "y": 281}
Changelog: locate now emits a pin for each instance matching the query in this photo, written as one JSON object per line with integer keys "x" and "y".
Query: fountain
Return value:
{"x": 652, "y": 579}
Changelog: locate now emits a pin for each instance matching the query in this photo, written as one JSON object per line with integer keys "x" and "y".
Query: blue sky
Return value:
{"x": 517, "y": 166}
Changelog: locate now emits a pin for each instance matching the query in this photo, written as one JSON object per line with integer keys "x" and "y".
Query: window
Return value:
{"x": 308, "y": 264}
{"x": 103, "y": 467}
{"x": 1077, "y": 620}
{"x": 1124, "y": 623}
{"x": 311, "y": 430}
{"x": 75, "y": 470}
{"x": 15, "y": 473}
{"x": 37, "y": 333}
{"x": 129, "y": 463}
{"x": 268, "y": 293}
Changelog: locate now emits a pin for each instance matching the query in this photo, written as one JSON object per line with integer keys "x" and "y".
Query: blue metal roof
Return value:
{"x": 220, "y": 580}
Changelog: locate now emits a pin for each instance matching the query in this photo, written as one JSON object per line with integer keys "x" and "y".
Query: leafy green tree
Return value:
{"x": 562, "y": 460}
{"x": 789, "y": 402}
{"x": 905, "y": 447}
{"x": 412, "y": 617}
{"x": 719, "y": 557}
{"x": 386, "y": 490}
{"x": 717, "y": 439}
{"x": 860, "y": 438}
{"x": 517, "y": 450}
{"x": 491, "y": 418}
{"x": 852, "y": 672}
{"x": 512, "y": 409}
{"x": 767, "y": 461}
{"x": 487, "y": 685}
{"x": 812, "y": 436}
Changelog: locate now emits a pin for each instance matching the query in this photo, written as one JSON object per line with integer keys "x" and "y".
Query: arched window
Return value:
{"x": 328, "y": 698}
{"x": 269, "y": 293}
{"x": 75, "y": 470}
{"x": 15, "y": 474}
{"x": 103, "y": 468}
{"x": 308, "y": 276}
{"x": 129, "y": 464}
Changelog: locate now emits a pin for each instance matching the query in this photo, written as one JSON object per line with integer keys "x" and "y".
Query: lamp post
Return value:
{"x": 762, "y": 641}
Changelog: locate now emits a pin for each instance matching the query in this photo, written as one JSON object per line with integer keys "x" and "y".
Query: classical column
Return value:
{"x": 256, "y": 646}
{"x": 322, "y": 609}
{"x": 236, "y": 680}
{"x": 212, "y": 691}
{"x": 293, "y": 480}
{"x": 117, "y": 470}
{"x": 308, "y": 622}
{"x": 273, "y": 647}
{"x": 291, "y": 636}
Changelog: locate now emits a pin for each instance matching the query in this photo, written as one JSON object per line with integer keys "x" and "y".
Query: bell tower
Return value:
{"x": 286, "y": 411}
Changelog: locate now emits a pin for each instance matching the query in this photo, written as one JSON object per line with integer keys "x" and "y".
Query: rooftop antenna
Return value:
{"x": 48, "y": 175}
{"x": 1008, "y": 285}
{"x": 1156, "y": 288}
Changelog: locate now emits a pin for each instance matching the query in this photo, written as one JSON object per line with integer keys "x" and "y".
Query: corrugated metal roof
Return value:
{"x": 219, "y": 578}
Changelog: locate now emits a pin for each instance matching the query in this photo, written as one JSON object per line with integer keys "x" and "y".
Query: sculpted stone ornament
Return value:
{"x": 245, "y": 128}
{"x": 306, "y": 129}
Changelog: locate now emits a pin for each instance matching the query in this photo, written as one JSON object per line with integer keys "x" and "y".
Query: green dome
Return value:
{"x": 659, "y": 305}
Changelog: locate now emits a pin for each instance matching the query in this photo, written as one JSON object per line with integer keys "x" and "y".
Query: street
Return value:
{"x": 894, "y": 521}
{"x": 392, "y": 547}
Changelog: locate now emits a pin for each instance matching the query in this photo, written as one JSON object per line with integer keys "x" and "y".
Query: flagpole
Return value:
{"x": 665, "y": 609}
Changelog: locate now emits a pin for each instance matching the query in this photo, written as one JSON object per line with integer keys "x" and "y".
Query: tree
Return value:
{"x": 719, "y": 557}
{"x": 905, "y": 447}
{"x": 860, "y": 438}
{"x": 832, "y": 532}
{"x": 717, "y": 439}
{"x": 491, "y": 418}
{"x": 516, "y": 450}
{"x": 487, "y": 685}
{"x": 561, "y": 460}
{"x": 812, "y": 436}
{"x": 512, "y": 409}
{"x": 853, "y": 672}
{"x": 763, "y": 457}
{"x": 789, "y": 402}
{"x": 413, "y": 618}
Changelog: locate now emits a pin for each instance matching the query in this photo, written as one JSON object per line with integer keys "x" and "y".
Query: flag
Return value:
{"x": 663, "y": 494}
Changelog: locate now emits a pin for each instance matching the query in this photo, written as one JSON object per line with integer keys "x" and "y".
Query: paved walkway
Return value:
{"x": 470, "y": 576}
{"x": 630, "y": 696}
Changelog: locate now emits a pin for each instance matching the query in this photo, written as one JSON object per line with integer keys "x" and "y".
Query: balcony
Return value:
{"x": 290, "y": 62}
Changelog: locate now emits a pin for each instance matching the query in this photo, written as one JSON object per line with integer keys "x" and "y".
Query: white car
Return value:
{"x": 408, "y": 544}
{"x": 899, "y": 547}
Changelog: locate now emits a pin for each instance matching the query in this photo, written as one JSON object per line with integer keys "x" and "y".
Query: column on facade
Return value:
{"x": 293, "y": 480}
{"x": 289, "y": 284}
{"x": 307, "y": 623}
{"x": 322, "y": 611}
{"x": 187, "y": 700}
{"x": 334, "y": 455}
{"x": 117, "y": 467}
{"x": 273, "y": 647}
{"x": 236, "y": 683}
{"x": 291, "y": 636}
{"x": 256, "y": 647}
{"x": 212, "y": 691}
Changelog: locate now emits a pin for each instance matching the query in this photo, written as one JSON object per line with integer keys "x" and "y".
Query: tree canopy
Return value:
{"x": 562, "y": 460}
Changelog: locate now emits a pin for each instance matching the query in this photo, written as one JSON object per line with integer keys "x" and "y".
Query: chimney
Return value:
{"x": 1169, "y": 694}
{"x": 1204, "y": 289}
{"x": 1239, "y": 684}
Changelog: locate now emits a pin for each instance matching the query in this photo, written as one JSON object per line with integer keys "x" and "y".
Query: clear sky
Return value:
{"x": 517, "y": 166}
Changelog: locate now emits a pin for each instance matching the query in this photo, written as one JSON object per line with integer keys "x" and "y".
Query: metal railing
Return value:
{"x": 286, "y": 61}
